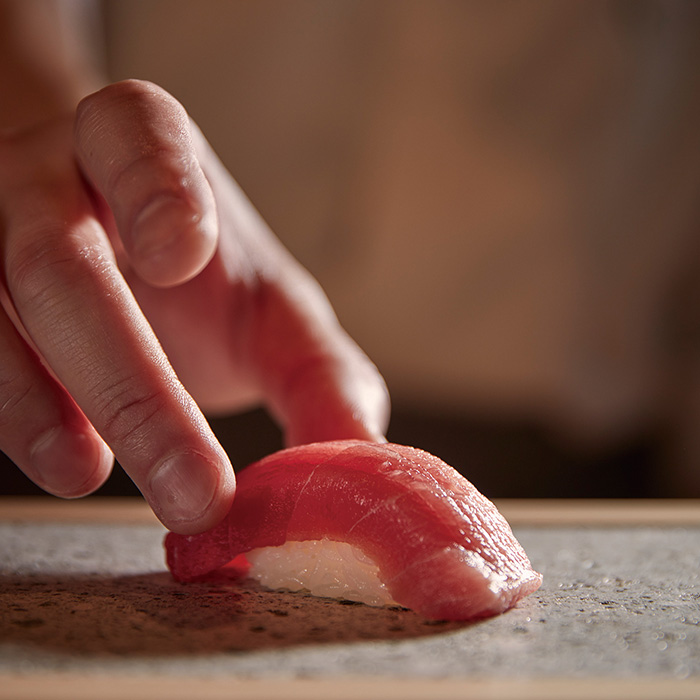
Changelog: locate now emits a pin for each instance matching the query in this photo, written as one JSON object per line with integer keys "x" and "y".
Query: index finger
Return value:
{"x": 80, "y": 314}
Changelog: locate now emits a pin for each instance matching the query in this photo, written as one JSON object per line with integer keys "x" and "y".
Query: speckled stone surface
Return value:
{"x": 616, "y": 602}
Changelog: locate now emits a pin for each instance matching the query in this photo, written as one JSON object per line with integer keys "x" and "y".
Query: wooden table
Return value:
{"x": 88, "y": 611}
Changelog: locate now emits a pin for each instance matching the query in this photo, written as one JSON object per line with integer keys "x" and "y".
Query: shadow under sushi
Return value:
{"x": 152, "y": 615}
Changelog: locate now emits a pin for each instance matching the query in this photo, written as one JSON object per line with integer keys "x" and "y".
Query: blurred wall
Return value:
{"x": 501, "y": 199}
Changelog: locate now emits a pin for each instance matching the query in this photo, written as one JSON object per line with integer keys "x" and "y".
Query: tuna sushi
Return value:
{"x": 379, "y": 523}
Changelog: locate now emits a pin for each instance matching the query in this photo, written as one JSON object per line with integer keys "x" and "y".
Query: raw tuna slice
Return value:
{"x": 441, "y": 548}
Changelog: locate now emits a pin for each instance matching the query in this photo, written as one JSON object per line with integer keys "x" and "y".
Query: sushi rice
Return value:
{"x": 323, "y": 568}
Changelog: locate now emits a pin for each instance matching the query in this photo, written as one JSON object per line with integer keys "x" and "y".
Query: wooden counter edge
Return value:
{"x": 526, "y": 512}
{"x": 150, "y": 687}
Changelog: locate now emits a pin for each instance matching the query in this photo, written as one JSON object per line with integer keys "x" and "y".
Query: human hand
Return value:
{"x": 133, "y": 264}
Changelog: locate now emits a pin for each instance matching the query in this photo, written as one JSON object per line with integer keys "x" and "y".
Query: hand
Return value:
{"x": 132, "y": 262}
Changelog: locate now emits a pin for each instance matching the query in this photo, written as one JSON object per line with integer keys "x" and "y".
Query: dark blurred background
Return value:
{"x": 516, "y": 461}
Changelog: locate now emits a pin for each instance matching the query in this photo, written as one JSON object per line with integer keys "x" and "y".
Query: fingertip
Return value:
{"x": 70, "y": 464}
{"x": 172, "y": 240}
{"x": 190, "y": 493}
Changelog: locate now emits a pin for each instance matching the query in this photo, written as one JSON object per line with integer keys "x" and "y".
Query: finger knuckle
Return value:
{"x": 128, "y": 413}
{"x": 138, "y": 99}
{"x": 44, "y": 266}
{"x": 153, "y": 132}
{"x": 131, "y": 89}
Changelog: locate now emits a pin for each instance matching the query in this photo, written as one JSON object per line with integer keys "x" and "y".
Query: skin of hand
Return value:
{"x": 139, "y": 287}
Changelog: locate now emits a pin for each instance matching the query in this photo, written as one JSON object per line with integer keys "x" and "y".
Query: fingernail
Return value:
{"x": 67, "y": 463}
{"x": 183, "y": 487}
{"x": 158, "y": 225}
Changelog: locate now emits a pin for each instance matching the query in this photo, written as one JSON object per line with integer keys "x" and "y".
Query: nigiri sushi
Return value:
{"x": 398, "y": 523}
